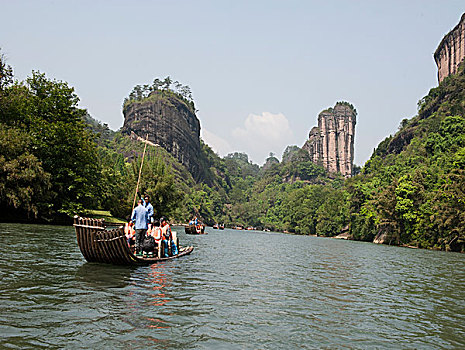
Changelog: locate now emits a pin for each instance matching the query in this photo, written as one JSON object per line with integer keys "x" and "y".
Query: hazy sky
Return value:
{"x": 260, "y": 71}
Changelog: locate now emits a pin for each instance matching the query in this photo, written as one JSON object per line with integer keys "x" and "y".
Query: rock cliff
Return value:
{"x": 170, "y": 123}
{"x": 451, "y": 51}
{"x": 331, "y": 144}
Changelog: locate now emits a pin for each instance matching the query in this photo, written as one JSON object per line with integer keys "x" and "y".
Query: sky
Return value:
{"x": 260, "y": 71}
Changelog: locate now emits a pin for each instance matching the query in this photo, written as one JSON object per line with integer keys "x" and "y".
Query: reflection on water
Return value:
{"x": 159, "y": 281}
{"x": 238, "y": 290}
{"x": 101, "y": 276}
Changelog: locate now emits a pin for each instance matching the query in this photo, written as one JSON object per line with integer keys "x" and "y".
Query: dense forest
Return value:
{"x": 412, "y": 189}
{"x": 57, "y": 161}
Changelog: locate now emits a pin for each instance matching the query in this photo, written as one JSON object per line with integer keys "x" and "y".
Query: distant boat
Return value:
{"x": 195, "y": 230}
{"x": 215, "y": 226}
{"x": 221, "y": 227}
{"x": 97, "y": 244}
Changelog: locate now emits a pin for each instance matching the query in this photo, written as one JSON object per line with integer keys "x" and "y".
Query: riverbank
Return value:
{"x": 104, "y": 214}
{"x": 347, "y": 237}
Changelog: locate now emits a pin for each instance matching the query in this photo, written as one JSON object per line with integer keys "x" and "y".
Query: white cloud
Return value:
{"x": 219, "y": 145}
{"x": 262, "y": 134}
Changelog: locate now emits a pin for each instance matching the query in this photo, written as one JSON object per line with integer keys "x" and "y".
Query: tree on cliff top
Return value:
{"x": 167, "y": 86}
{"x": 6, "y": 72}
{"x": 341, "y": 103}
{"x": 348, "y": 104}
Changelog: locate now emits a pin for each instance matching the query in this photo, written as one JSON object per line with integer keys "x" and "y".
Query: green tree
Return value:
{"x": 24, "y": 184}
{"x": 156, "y": 84}
{"x": 167, "y": 83}
{"x": 6, "y": 73}
{"x": 47, "y": 111}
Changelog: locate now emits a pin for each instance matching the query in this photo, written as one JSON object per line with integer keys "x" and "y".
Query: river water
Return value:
{"x": 237, "y": 290}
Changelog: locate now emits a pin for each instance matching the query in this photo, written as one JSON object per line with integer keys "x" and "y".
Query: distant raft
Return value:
{"x": 195, "y": 230}
{"x": 97, "y": 244}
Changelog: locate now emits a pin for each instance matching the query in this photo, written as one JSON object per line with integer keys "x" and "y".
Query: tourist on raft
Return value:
{"x": 194, "y": 221}
{"x": 149, "y": 208}
{"x": 140, "y": 218}
{"x": 155, "y": 232}
{"x": 130, "y": 233}
{"x": 167, "y": 238}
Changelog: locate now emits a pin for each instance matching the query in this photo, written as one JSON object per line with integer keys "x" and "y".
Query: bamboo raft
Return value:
{"x": 192, "y": 230}
{"x": 97, "y": 244}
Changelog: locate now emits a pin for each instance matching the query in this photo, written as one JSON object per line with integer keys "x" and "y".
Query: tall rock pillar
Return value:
{"x": 331, "y": 144}
{"x": 451, "y": 51}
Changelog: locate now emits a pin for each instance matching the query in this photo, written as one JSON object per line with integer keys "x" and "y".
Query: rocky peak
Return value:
{"x": 170, "y": 123}
{"x": 451, "y": 51}
{"x": 270, "y": 161}
{"x": 331, "y": 144}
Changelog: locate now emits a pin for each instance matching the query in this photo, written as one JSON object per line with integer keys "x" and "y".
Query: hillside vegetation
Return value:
{"x": 411, "y": 191}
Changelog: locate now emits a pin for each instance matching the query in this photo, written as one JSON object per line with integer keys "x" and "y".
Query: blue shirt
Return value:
{"x": 149, "y": 208}
{"x": 140, "y": 217}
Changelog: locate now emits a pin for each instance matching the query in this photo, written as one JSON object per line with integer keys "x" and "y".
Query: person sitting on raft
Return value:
{"x": 167, "y": 238}
{"x": 155, "y": 232}
{"x": 148, "y": 244}
{"x": 130, "y": 233}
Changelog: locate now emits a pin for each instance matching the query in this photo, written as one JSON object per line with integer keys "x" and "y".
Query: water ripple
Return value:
{"x": 238, "y": 290}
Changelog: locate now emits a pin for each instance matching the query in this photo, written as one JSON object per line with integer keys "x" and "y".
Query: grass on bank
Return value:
{"x": 104, "y": 214}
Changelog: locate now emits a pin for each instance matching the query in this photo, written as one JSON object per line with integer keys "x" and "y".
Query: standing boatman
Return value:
{"x": 149, "y": 207}
{"x": 141, "y": 219}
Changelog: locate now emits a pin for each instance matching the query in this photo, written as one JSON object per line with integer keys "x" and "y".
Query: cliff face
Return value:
{"x": 168, "y": 122}
{"x": 331, "y": 144}
{"x": 451, "y": 51}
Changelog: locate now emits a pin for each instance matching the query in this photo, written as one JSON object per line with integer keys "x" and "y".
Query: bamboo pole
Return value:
{"x": 140, "y": 172}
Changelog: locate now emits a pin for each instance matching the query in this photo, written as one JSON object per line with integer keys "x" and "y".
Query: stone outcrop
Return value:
{"x": 270, "y": 161}
{"x": 331, "y": 144}
{"x": 451, "y": 51}
{"x": 290, "y": 154}
{"x": 170, "y": 123}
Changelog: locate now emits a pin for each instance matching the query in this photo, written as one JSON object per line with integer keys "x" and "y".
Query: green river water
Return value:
{"x": 237, "y": 290}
